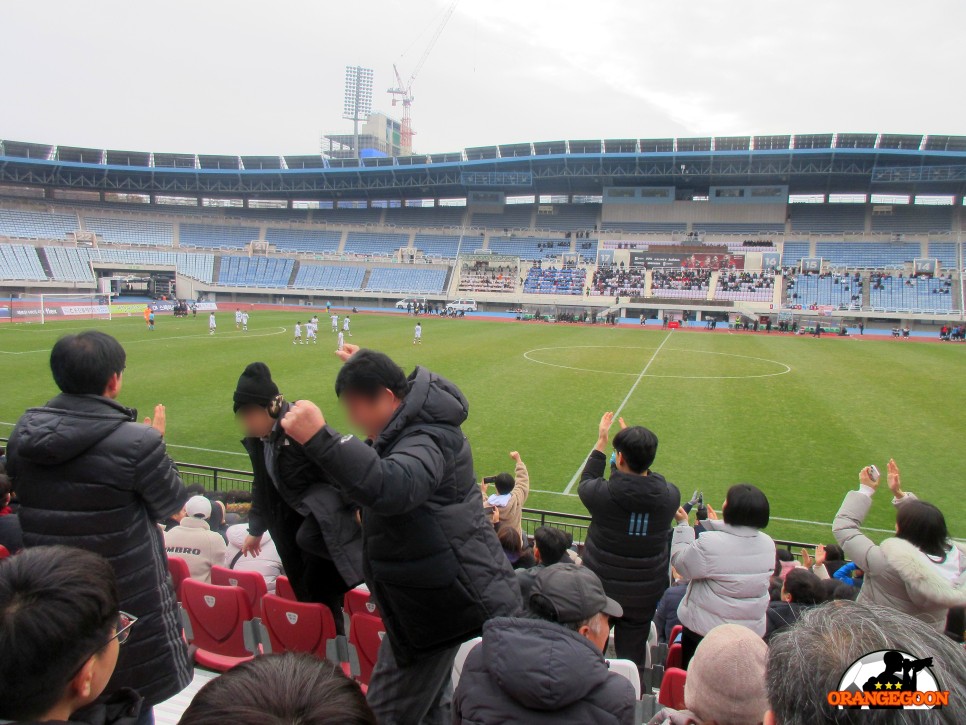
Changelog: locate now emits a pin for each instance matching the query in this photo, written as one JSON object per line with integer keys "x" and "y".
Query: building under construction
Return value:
{"x": 380, "y": 135}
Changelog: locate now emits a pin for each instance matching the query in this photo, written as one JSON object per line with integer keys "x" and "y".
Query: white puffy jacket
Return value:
{"x": 268, "y": 563}
{"x": 727, "y": 568}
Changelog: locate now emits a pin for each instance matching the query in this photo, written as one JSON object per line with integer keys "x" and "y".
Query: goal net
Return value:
{"x": 53, "y": 307}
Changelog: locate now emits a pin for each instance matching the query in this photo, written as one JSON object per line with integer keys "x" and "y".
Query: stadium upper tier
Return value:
{"x": 805, "y": 163}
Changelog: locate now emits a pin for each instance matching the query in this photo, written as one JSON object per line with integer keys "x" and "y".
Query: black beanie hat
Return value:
{"x": 255, "y": 386}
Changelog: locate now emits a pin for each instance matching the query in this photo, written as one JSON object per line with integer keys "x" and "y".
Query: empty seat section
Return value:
{"x": 868, "y": 254}
{"x": 433, "y": 217}
{"x": 568, "y": 217}
{"x": 406, "y": 280}
{"x": 216, "y": 235}
{"x": 374, "y": 243}
{"x": 36, "y": 224}
{"x": 20, "y": 261}
{"x": 793, "y": 252}
{"x": 530, "y": 248}
{"x": 914, "y": 218}
{"x": 831, "y": 290}
{"x": 827, "y": 218}
{"x": 438, "y": 245}
{"x": 303, "y": 240}
{"x": 553, "y": 281}
{"x": 739, "y": 227}
{"x": 255, "y": 271}
{"x": 945, "y": 252}
{"x": 69, "y": 264}
{"x": 644, "y": 227}
{"x": 515, "y": 216}
{"x": 329, "y": 277}
{"x": 919, "y": 294}
{"x": 130, "y": 231}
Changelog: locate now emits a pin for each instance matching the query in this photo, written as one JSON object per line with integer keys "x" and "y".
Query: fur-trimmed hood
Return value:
{"x": 925, "y": 585}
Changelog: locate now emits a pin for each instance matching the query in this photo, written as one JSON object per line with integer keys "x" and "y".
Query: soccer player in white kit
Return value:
{"x": 418, "y": 335}
{"x": 298, "y": 334}
{"x": 310, "y": 327}
{"x": 238, "y": 318}
{"x": 335, "y": 323}
{"x": 345, "y": 325}
{"x": 211, "y": 324}
{"x": 341, "y": 341}
{"x": 245, "y": 321}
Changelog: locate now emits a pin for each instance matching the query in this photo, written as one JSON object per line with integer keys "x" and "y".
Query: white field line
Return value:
{"x": 627, "y": 397}
{"x": 222, "y": 337}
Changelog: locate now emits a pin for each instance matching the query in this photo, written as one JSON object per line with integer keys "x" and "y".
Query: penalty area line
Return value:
{"x": 640, "y": 377}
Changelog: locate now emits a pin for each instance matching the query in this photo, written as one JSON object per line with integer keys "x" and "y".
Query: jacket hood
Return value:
{"x": 541, "y": 665}
{"x": 236, "y": 535}
{"x": 431, "y": 399}
{"x": 638, "y": 493}
{"x": 924, "y": 583}
{"x": 67, "y": 427}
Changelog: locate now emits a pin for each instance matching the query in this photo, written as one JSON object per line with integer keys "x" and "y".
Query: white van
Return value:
{"x": 461, "y": 305}
{"x": 411, "y": 302}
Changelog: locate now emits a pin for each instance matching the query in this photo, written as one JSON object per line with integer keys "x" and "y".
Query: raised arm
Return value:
{"x": 157, "y": 481}
{"x": 521, "y": 485}
{"x": 857, "y": 546}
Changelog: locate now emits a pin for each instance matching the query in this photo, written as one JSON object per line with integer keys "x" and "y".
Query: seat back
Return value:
{"x": 251, "y": 581}
{"x": 297, "y": 626}
{"x": 675, "y": 632}
{"x": 629, "y": 671}
{"x": 178, "y": 569}
{"x": 218, "y": 615}
{"x": 365, "y": 635}
{"x": 672, "y": 688}
{"x": 284, "y": 589}
{"x": 359, "y": 601}
{"x": 674, "y": 656}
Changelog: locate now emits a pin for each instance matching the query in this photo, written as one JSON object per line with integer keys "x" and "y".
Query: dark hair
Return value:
{"x": 510, "y": 540}
{"x": 924, "y": 526}
{"x": 195, "y": 489}
{"x": 280, "y": 690}
{"x": 504, "y": 483}
{"x": 834, "y": 552}
{"x": 552, "y": 544}
{"x": 83, "y": 364}
{"x": 58, "y": 605}
{"x": 803, "y": 586}
{"x": 638, "y": 446}
{"x": 775, "y": 584}
{"x": 746, "y": 506}
{"x": 783, "y": 555}
{"x": 6, "y": 486}
{"x": 368, "y": 372}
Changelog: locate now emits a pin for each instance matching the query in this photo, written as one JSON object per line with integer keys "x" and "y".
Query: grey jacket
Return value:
{"x": 728, "y": 568}
{"x": 897, "y": 574}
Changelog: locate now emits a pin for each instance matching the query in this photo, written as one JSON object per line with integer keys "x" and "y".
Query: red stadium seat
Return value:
{"x": 284, "y": 589}
{"x": 359, "y": 601}
{"x": 672, "y": 688}
{"x": 178, "y": 569}
{"x": 674, "y": 657}
{"x": 298, "y": 626}
{"x": 365, "y": 635}
{"x": 251, "y": 581}
{"x": 220, "y": 617}
{"x": 675, "y": 631}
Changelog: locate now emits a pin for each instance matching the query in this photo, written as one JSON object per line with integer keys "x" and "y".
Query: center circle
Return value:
{"x": 782, "y": 368}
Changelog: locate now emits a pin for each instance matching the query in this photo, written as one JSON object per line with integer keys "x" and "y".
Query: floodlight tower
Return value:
{"x": 403, "y": 92}
{"x": 358, "y": 99}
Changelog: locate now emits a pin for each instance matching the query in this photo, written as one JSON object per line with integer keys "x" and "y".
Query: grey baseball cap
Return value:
{"x": 574, "y": 592}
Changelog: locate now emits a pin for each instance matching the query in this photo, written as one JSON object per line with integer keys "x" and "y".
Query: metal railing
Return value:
{"x": 215, "y": 478}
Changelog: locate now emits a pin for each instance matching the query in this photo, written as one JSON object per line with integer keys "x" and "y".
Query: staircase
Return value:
{"x": 216, "y": 269}
{"x": 295, "y": 272}
{"x": 365, "y": 279}
{"x": 44, "y": 262}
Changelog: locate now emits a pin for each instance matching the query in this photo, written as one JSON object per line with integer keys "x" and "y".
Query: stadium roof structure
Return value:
{"x": 805, "y": 163}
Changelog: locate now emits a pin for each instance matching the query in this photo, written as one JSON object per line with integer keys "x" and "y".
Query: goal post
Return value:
{"x": 68, "y": 306}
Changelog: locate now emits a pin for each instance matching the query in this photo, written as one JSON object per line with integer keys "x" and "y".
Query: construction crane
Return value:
{"x": 403, "y": 92}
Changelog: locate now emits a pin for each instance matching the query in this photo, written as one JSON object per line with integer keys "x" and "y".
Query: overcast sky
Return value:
{"x": 266, "y": 77}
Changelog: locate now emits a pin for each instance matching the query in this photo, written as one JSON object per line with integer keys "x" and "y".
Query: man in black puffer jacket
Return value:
{"x": 628, "y": 540}
{"x": 433, "y": 564}
{"x": 313, "y": 527}
{"x": 89, "y": 475}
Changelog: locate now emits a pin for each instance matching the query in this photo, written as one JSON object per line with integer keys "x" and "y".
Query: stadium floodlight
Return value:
{"x": 358, "y": 98}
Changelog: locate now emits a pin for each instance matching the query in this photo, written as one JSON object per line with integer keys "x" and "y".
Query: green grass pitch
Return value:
{"x": 796, "y": 416}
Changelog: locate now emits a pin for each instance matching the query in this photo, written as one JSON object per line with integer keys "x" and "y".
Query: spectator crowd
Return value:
{"x": 668, "y": 611}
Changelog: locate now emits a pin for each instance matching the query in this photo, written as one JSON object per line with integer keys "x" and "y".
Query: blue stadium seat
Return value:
{"x": 554, "y": 281}
{"x": 342, "y": 278}
{"x": 255, "y": 271}
{"x": 406, "y": 280}
{"x": 216, "y": 236}
{"x": 374, "y": 242}
{"x": 304, "y": 240}
{"x": 20, "y": 261}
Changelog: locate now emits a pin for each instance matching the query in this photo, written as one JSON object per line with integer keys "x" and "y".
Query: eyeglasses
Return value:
{"x": 122, "y": 631}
